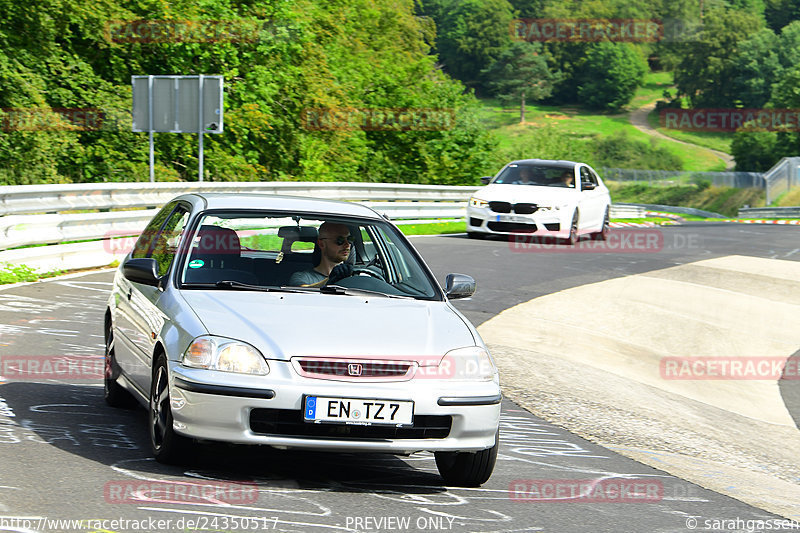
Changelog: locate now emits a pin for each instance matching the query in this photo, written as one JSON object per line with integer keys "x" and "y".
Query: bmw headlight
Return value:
{"x": 552, "y": 207}
{"x": 225, "y": 355}
{"x": 477, "y": 202}
{"x": 469, "y": 364}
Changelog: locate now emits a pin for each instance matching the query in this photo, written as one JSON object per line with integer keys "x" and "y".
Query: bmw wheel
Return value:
{"x": 573, "y": 231}
{"x": 602, "y": 235}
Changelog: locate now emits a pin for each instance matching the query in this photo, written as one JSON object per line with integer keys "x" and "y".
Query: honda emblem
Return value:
{"x": 354, "y": 369}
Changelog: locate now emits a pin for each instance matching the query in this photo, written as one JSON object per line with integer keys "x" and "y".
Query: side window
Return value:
{"x": 593, "y": 177}
{"x": 167, "y": 242}
{"x": 161, "y": 237}
{"x": 587, "y": 178}
{"x": 144, "y": 244}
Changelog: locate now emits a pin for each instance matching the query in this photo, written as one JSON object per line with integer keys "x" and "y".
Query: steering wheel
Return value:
{"x": 365, "y": 268}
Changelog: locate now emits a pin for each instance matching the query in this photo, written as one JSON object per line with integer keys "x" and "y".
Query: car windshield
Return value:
{"x": 540, "y": 175}
{"x": 259, "y": 251}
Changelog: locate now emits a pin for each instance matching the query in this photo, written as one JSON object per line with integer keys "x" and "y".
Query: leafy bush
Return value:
{"x": 621, "y": 151}
{"x": 16, "y": 273}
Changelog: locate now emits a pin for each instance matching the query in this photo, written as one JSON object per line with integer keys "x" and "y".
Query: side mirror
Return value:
{"x": 587, "y": 186}
{"x": 141, "y": 270}
{"x": 486, "y": 179}
{"x": 459, "y": 286}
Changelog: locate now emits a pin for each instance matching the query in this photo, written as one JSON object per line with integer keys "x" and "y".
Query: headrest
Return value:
{"x": 218, "y": 240}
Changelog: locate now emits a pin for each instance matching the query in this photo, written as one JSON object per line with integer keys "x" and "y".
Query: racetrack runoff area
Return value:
{"x": 609, "y": 361}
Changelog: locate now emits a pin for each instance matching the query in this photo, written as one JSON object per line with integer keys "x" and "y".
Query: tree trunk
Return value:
{"x": 522, "y": 109}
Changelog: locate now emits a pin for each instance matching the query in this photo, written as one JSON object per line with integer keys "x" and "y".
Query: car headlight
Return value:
{"x": 552, "y": 207}
{"x": 477, "y": 202}
{"x": 225, "y": 355}
{"x": 469, "y": 364}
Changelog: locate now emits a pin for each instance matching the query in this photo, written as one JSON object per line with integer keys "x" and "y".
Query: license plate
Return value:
{"x": 512, "y": 218}
{"x": 358, "y": 411}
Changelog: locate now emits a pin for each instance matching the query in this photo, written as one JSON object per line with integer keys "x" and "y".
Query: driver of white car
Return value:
{"x": 333, "y": 244}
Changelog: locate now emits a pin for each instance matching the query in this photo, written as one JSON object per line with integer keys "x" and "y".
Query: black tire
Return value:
{"x": 467, "y": 469}
{"x": 167, "y": 446}
{"x": 114, "y": 394}
{"x": 573, "y": 231}
{"x": 602, "y": 235}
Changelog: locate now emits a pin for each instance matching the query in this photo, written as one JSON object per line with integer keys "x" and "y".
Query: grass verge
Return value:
{"x": 723, "y": 200}
{"x": 20, "y": 273}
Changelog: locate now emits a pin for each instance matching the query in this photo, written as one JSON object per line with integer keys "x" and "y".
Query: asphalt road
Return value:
{"x": 65, "y": 455}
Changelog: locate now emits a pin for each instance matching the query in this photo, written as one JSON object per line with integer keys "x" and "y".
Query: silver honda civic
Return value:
{"x": 297, "y": 323}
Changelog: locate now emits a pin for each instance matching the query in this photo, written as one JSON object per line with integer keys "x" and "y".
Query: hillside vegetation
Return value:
{"x": 280, "y": 58}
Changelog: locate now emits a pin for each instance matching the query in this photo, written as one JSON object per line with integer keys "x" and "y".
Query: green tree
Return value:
{"x": 521, "y": 74}
{"x": 753, "y": 69}
{"x": 301, "y": 55}
{"x": 704, "y": 74}
{"x": 610, "y": 76}
{"x": 471, "y": 35}
{"x": 779, "y": 13}
{"x": 755, "y": 151}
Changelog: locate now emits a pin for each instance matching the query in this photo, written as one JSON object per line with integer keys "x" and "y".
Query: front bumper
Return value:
{"x": 268, "y": 410}
{"x": 544, "y": 223}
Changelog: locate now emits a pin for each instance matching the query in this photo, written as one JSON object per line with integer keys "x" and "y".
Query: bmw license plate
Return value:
{"x": 359, "y": 411}
{"x": 512, "y": 218}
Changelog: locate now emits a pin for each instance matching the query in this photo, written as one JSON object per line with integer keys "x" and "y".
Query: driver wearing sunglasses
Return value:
{"x": 334, "y": 243}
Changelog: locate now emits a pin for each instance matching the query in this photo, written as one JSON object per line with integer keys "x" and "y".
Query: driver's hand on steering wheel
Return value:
{"x": 339, "y": 272}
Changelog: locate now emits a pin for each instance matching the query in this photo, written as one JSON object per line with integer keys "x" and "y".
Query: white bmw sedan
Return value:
{"x": 298, "y": 323}
{"x": 556, "y": 199}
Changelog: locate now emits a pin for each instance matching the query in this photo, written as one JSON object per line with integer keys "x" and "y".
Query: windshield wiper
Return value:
{"x": 232, "y": 284}
{"x": 338, "y": 289}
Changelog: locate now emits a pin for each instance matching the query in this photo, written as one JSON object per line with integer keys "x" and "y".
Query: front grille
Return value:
{"x": 521, "y": 208}
{"x": 346, "y": 368}
{"x": 525, "y": 209}
{"x": 511, "y": 227}
{"x": 290, "y": 423}
{"x": 500, "y": 207}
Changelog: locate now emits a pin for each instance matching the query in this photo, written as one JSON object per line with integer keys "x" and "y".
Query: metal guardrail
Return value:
{"x": 770, "y": 212}
{"x": 27, "y": 199}
{"x": 20, "y": 230}
{"x": 783, "y": 176}
{"x": 740, "y": 180}
{"x": 45, "y": 214}
{"x": 679, "y": 210}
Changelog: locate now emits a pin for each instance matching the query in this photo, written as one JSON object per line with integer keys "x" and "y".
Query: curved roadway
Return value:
{"x": 65, "y": 455}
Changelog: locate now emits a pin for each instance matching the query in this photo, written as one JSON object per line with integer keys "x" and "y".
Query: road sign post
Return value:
{"x": 177, "y": 104}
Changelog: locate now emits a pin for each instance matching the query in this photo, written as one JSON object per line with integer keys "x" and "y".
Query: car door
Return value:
{"x": 138, "y": 319}
{"x": 592, "y": 204}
